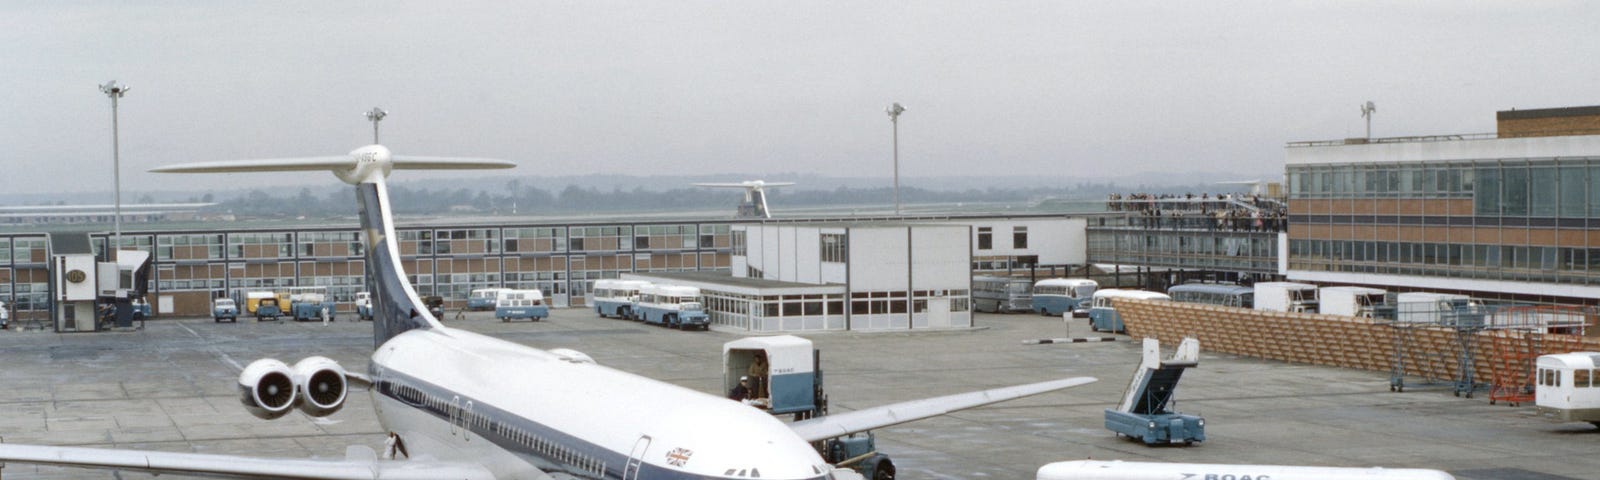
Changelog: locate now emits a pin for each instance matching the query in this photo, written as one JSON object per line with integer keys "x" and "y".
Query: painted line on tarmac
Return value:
{"x": 225, "y": 358}
{"x": 1045, "y": 341}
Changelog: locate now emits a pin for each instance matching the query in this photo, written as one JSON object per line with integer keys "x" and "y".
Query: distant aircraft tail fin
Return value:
{"x": 396, "y": 307}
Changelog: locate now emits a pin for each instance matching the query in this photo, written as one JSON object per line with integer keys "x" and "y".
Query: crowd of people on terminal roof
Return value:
{"x": 1224, "y": 211}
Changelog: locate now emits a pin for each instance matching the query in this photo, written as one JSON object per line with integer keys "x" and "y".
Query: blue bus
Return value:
{"x": 484, "y": 298}
{"x": 1057, "y": 296}
{"x": 615, "y": 298}
{"x": 1219, "y": 294}
{"x": 1103, "y": 317}
{"x": 672, "y": 306}
{"x": 527, "y": 304}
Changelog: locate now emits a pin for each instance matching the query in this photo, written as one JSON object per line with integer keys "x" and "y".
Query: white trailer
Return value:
{"x": 1567, "y": 389}
{"x": 1440, "y": 308}
{"x": 1286, "y": 297}
{"x": 1350, "y": 301}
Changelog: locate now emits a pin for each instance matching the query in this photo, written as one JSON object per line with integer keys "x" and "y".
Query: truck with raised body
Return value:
{"x": 1363, "y": 302}
{"x": 782, "y": 375}
{"x": 1286, "y": 297}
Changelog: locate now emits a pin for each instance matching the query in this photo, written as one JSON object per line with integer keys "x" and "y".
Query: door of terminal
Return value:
{"x": 939, "y": 312}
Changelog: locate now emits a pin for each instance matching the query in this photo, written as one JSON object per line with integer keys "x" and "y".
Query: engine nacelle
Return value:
{"x": 322, "y": 386}
{"x": 267, "y": 388}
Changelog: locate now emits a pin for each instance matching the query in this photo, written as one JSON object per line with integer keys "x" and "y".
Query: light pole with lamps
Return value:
{"x": 894, "y": 112}
{"x": 115, "y": 91}
{"x": 1367, "y": 110}
{"x": 376, "y": 115}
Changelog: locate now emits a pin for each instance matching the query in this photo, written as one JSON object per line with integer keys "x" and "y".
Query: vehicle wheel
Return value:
{"x": 884, "y": 471}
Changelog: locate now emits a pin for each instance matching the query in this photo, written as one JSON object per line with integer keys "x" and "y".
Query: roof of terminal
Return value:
{"x": 1547, "y": 113}
{"x": 726, "y": 279}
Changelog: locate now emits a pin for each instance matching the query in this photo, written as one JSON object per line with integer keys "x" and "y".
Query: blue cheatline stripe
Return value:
{"x": 501, "y": 423}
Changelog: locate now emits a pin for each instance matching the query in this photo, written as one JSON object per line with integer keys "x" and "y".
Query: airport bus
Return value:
{"x": 1002, "y": 294}
{"x": 1220, "y": 294}
{"x": 615, "y": 297}
{"x": 1104, "y": 317}
{"x": 484, "y": 298}
{"x": 1057, "y": 296}
{"x": 527, "y": 304}
{"x": 672, "y": 306}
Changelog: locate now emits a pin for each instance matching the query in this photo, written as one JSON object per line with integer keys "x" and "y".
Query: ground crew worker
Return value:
{"x": 758, "y": 376}
{"x": 741, "y": 391}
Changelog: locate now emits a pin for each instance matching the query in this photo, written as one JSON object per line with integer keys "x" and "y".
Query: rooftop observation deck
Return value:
{"x": 1411, "y": 139}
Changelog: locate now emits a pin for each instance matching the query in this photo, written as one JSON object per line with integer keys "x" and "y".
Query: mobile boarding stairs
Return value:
{"x": 1146, "y": 411}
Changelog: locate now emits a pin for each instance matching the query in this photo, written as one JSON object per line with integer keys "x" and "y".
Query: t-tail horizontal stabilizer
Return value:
{"x": 365, "y": 164}
{"x": 396, "y": 307}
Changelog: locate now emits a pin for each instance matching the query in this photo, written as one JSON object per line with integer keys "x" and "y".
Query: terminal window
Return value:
{"x": 1019, "y": 237}
{"x": 985, "y": 238}
{"x": 834, "y": 248}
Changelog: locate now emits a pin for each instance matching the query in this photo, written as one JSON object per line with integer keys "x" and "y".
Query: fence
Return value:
{"x": 1361, "y": 343}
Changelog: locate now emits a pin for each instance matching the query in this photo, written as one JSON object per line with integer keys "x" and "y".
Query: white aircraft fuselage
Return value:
{"x": 518, "y": 410}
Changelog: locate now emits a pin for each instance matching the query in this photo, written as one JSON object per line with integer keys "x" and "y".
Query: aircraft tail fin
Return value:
{"x": 396, "y": 307}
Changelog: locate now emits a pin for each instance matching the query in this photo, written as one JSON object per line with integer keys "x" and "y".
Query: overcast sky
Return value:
{"x": 1055, "y": 87}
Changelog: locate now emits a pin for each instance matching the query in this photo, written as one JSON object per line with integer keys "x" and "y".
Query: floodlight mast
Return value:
{"x": 894, "y": 112}
{"x": 1366, "y": 112}
{"x": 376, "y": 115}
{"x": 115, "y": 91}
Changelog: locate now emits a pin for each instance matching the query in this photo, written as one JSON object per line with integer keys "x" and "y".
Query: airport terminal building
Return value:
{"x": 194, "y": 263}
{"x": 1513, "y": 215}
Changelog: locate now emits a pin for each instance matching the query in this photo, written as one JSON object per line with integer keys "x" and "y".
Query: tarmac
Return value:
{"x": 171, "y": 387}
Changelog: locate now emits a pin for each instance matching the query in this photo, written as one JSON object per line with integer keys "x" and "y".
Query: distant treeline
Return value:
{"x": 575, "y": 199}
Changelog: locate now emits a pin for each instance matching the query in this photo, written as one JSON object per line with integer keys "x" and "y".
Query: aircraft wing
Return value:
{"x": 721, "y": 185}
{"x": 361, "y": 463}
{"x": 841, "y": 424}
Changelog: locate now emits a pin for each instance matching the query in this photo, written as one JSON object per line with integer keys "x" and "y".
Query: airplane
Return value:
{"x": 459, "y": 405}
{"x": 1119, "y": 470}
{"x": 755, "y": 196}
